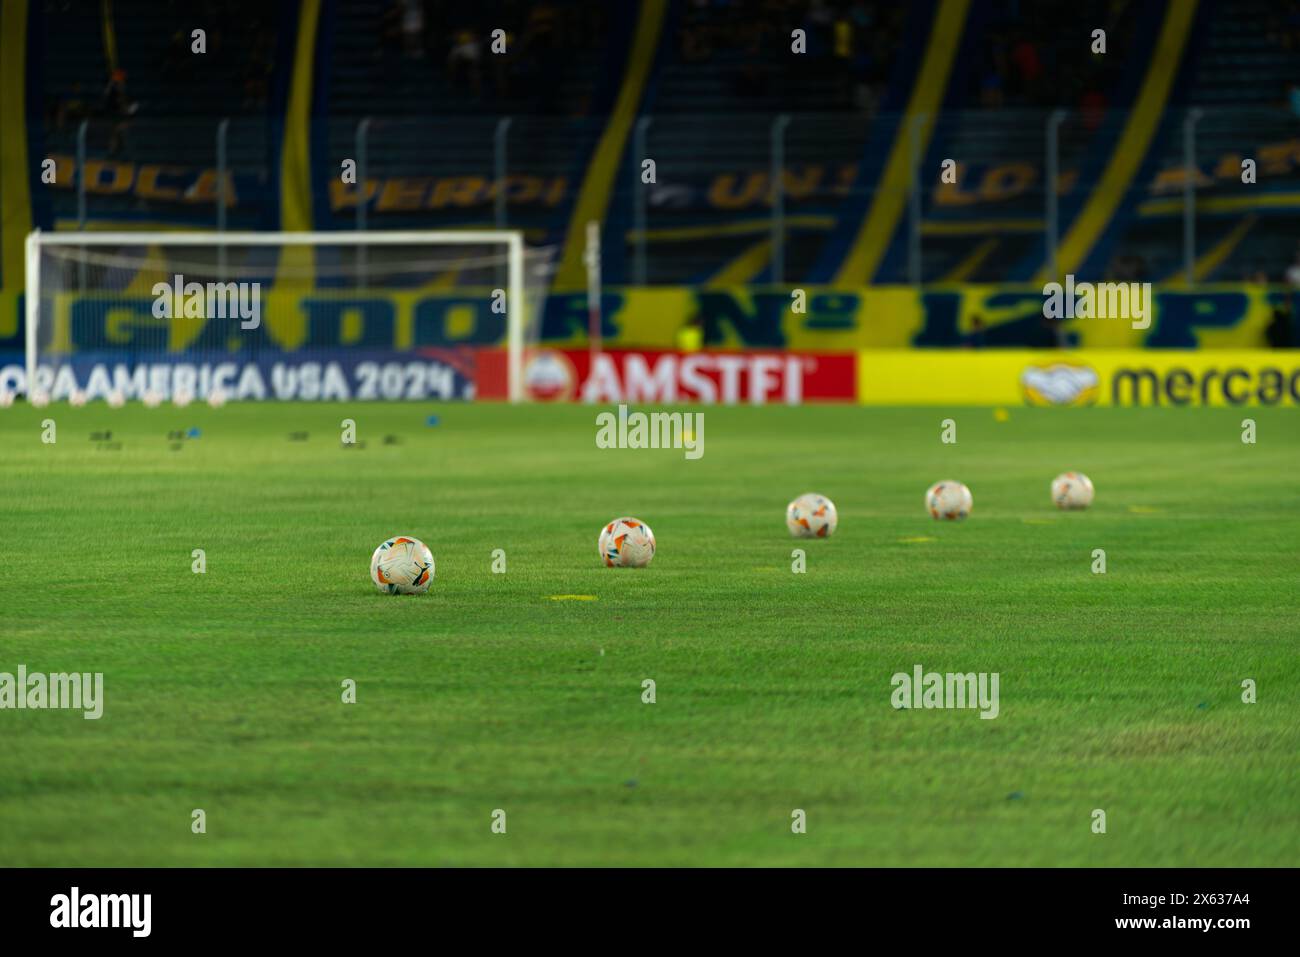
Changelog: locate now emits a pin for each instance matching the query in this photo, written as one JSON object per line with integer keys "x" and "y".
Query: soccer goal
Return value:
{"x": 386, "y": 315}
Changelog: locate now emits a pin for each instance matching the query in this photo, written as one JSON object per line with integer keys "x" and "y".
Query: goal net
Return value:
{"x": 367, "y": 315}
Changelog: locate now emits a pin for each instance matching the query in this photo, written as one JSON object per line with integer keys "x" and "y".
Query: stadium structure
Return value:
{"x": 890, "y": 162}
{"x": 781, "y": 433}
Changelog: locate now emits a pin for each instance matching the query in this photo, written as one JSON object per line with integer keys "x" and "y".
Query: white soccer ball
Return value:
{"x": 948, "y": 500}
{"x": 38, "y": 399}
{"x": 217, "y": 398}
{"x": 1072, "y": 490}
{"x": 811, "y": 516}
{"x": 6, "y": 398}
{"x": 115, "y": 399}
{"x": 151, "y": 399}
{"x": 76, "y": 397}
{"x": 402, "y": 566}
{"x": 182, "y": 398}
{"x": 627, "y": 543}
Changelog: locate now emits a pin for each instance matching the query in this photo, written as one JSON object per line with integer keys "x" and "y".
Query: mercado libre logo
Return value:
{"x": 549, "y": 376}
{"x": 1060, "y": 384}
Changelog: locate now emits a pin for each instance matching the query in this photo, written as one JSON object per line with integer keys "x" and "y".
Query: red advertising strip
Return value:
{"x": 729, "y": 378}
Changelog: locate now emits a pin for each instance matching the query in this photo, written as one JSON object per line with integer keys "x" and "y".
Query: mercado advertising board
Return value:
{"x": 1103, "y": 377}
{"x": 727, "y": 378}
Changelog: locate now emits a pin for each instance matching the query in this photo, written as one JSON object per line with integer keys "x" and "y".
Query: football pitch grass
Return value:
{"x": 523, "y": 691}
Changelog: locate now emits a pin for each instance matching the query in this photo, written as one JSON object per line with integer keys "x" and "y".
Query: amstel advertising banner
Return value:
{"x": 1094, "y": 377}
{"x": 728, "y": 378}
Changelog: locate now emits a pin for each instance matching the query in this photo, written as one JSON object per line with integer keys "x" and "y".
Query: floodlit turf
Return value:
{"x": 1119, "y": 692}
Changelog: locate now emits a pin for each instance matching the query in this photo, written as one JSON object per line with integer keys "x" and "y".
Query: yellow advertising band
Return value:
{"x": 1105, "y": 377}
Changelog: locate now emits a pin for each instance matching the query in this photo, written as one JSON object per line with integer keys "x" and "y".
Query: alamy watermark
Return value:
{"x": 1101, "y": 300}
{"x": 932, "y": 689}
{"x": 214, "y": 300}
{"x": 76, "y": 691}
{"x": 129, "y": 911}
{"x": 653, "y": 430}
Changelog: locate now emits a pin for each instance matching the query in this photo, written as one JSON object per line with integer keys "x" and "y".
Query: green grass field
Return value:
{"x": 1119, "y": 691}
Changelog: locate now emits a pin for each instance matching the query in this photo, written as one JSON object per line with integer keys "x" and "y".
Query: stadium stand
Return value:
{"x": 1239, "y": 81}
{"x": 436, "y": 98}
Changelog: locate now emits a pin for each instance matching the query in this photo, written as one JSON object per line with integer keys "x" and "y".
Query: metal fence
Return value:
{"x": 758, "y": 198}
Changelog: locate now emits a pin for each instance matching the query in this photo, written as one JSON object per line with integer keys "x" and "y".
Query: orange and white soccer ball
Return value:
{"x": 626, "y": 543}
{"x": 948, "y": 500}
{"x": 6, "y": 398}
{"x": 402, "y": 566}
{"x": 115, "y": 399}
{"x": 1072, "y": 490}
{"x": 811, "y": 516}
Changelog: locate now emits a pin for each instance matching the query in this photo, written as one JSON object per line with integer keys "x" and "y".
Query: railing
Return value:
{"x": 754, "y": 198}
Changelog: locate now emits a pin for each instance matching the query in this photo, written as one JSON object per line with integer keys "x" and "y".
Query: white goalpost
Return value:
{"x": 101, "y": 294}
{"x": 591, "y": 257}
